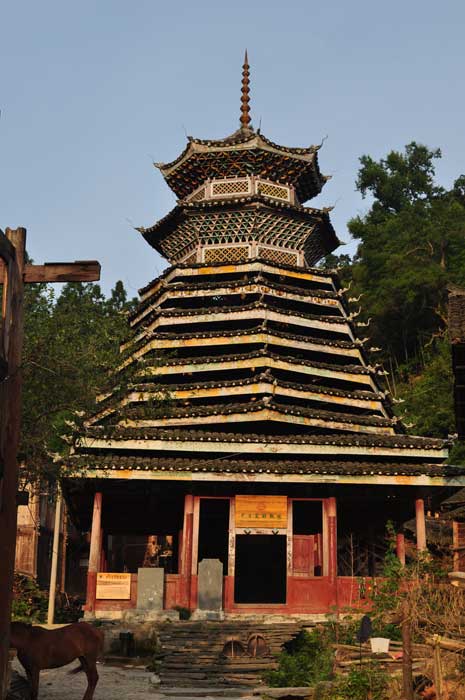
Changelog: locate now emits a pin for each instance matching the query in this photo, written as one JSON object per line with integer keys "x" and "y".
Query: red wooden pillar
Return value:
{"x": 94, "y": 554}
{"x": 421, "y": 524}
{"x": 332, "y": 547}
{"x": 186, "y": 554}
{"x": 400, "y": 548}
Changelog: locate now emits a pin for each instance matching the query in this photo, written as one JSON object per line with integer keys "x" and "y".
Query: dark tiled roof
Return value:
{"x": 407, "y": 442}
{"x": 233, "y": 287}
{"x": 267, "y": 376}
{"x": 348, "y": 369}
{"x": 261, "y": 328}
{"x": 317, "y": 271}
{"x": 272, "y": 405}
{"x": 210, "y": 310}
{"x": 281, "y": 466}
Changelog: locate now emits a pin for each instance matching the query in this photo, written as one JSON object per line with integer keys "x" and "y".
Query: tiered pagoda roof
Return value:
{"x": 255, "y": 350}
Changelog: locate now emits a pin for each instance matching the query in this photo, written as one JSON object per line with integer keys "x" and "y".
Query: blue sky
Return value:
{"x": 93, "y": 92}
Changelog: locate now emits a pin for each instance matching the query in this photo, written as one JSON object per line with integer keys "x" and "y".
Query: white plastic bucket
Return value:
{"x": 379, "y": 645}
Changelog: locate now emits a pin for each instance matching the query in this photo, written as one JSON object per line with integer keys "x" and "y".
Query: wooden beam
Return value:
{"x": 80, "y": 271}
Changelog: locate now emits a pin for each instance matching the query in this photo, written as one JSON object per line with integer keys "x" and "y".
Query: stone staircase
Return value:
{"x": 228, "y": 653}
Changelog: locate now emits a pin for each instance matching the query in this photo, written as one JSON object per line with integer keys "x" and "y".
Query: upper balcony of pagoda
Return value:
{"x": 237, "y": 157}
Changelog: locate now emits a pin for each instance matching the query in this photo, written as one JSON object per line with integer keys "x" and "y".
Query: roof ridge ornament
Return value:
{"x": 245, "y": 95}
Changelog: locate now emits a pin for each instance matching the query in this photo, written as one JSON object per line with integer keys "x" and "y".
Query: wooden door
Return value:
{"x": 303, "y": 555}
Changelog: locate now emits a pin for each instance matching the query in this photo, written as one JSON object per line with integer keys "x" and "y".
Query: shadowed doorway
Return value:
{"x": 260, "y": 570}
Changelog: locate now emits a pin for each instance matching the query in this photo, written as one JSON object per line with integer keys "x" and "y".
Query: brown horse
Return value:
{"x": 39, "y": 648}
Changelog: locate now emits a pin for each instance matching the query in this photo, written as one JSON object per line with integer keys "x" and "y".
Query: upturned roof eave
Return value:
{"x": 245, "y": 140}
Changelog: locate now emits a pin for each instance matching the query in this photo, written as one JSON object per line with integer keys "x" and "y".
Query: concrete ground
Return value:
{"x": 119, "y": 682}
{"x": 114, "y": 683}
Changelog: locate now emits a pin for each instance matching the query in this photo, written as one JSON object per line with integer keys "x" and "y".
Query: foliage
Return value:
{"x": 306, "y": 661}
{"x": 411, "y": 246}
{"x": 71, "y": 345}
{"x": 431, "y": 382}
{"x": 362, "y": 682}
{"x": 30, "y": 604}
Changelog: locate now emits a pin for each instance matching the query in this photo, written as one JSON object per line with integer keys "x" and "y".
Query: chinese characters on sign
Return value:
{"x": 269, "y": 512}
{"x": 113, "y": 586}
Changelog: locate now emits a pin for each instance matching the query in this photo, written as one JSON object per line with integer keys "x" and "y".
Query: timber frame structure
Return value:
{"x": 256, "y": 430}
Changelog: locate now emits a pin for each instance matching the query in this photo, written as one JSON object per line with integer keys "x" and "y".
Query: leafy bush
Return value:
{"x": 29, "y": 602}
{"x": 368, "y": 681}
{"x": 306, "y": 661}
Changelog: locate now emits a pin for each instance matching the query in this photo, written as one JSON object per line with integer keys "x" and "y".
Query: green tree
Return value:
{"x": 411, "y": 246}
{"x": 71, "y": 347}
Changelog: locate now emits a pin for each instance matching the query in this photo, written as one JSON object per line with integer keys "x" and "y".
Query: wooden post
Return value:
{"x": 55, "y": 552}
{"x": 94, "y": 554}
{"x": 437, "y": 669}
{"x": 187, "y": 530}
{"x": 407, "y": 673}
{"x": 13, "y": 274}
{"x": 400, "y": 548}
{"x": 13, "y": 247}
{"x": 64, "y": 547}
{"x": 332, "y": 546}
{"x": 421, "y": 524}
{"x": 289, "y": 540}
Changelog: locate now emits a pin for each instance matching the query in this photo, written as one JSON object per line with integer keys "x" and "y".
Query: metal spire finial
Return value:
{"x": 245, "y": 95}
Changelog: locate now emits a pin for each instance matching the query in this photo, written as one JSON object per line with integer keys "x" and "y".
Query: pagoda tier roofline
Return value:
{"x": 249, "y": 153}
{"x": 165, "y": 292}
{"x": 256, "y": 386}
{"x": 267, "y": 404}
{"x": 233, "y": 202}
{"x": 242, "y": 138}
{"x": 267, "y": 379}
{"x": 125, "y": 438}
{"x": 261, "y": 328}
{"x": 166, "y": 227}
{"x": 312, "y": 274}
{"x": 321, "y": 468}
{"x": 239, "y": 339}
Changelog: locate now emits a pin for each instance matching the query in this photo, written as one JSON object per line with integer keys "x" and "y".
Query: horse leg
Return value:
{"x": 33, "y": 678}
{"x": 90, "y": 667}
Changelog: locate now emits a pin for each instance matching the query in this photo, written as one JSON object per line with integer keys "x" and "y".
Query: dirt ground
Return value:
{"x": 114, "y": 683}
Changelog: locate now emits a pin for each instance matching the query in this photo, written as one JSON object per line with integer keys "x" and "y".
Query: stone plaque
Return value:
{"x": 150, "y": 588}
{"x": 113, "y": 587}
{"x": 210, "y": 585}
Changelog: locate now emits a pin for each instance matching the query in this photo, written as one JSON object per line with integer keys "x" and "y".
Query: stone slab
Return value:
{"x": 210, "y": 585}
{"x": 150, "y": 588}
